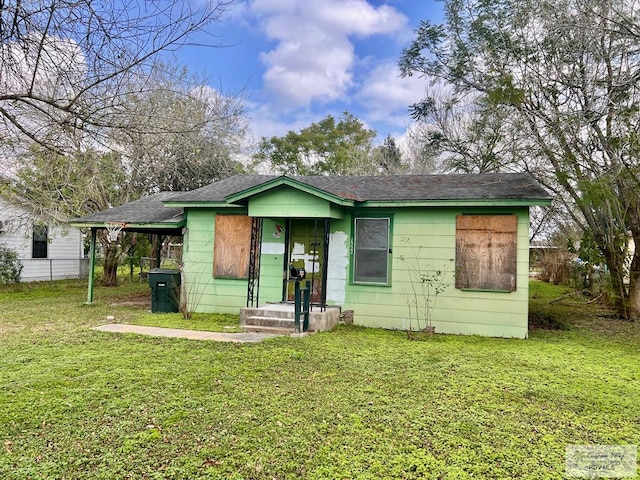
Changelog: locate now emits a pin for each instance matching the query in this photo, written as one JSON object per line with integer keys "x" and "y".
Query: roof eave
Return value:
{"x": 199, "y": 204}
{"x": 132, "y": 226}
{"x": 453, "y": 203}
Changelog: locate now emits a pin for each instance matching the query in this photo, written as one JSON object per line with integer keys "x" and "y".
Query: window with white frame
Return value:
{"x": 40, "y": 243}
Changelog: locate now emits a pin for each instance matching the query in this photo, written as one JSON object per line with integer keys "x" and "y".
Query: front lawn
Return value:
{"x": 351, "y": 403}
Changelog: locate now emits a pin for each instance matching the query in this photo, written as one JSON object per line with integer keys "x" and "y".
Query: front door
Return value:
{"x": 306, "y": 257}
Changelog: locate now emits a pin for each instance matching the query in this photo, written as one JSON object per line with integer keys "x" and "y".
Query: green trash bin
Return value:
{"x": 165, "y": 290}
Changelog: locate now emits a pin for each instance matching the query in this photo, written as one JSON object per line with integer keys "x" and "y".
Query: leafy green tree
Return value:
{"x": 389, "y": 157}
{"x": 326, "y": 147}
{"x": 59, "y": 187}
{"x": 566, "y": 74}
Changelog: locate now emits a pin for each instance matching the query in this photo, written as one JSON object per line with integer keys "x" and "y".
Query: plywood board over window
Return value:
{"x": 232, "y": 246}
{"x": 486, "y": 252}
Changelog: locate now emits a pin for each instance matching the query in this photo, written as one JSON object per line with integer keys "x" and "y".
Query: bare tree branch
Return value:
{"x": 72, "y": 62}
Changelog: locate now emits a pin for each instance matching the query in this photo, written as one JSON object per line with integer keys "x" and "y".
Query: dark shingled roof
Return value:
{"x": 392, "y": 188}
{"x": 149, "y": 209}
{"x": 488, "y": 186}
{"x": 220, "y": 190}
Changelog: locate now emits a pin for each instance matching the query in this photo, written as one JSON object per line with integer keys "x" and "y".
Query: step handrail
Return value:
{"x": 302, "y": 297}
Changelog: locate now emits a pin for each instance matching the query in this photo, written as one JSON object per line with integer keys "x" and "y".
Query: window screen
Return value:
{"x": 371, "y": 250}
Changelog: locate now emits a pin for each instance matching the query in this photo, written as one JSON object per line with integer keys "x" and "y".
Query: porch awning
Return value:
{"x": 146, "y": 215}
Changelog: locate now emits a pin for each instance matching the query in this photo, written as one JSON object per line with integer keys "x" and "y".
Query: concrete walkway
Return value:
{"x": 248, "y": 337}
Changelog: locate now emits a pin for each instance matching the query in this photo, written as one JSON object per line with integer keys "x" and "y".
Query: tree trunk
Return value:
{"x": 634, "y": 295}
{"x": 156, "y": 250}
{"x": 633, "y": 301}
{"x": 110, "y": 272}
{"x": 111, "y": 260}
{"x": 616, "y": 271}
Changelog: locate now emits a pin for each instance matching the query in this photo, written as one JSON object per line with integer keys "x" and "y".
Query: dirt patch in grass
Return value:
{"x": 137, "y": 299}
{"x": 542, "y": 321}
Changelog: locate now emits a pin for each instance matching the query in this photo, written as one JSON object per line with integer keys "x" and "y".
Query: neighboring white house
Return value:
{"x": 48, "y": 252}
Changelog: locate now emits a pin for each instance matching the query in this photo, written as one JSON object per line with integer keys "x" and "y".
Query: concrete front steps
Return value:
{"x": 279, "y": 318}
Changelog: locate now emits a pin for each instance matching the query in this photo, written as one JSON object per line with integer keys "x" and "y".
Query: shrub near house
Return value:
{"x": 10, "y": 266}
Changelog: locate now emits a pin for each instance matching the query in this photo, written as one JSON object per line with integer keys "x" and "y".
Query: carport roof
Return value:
{"x": 146, "y": 214}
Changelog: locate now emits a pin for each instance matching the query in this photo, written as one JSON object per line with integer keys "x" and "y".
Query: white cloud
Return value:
{"x": 359, "y": 17}
{"x": 268, "y": 122}
{"x": 386, "y": 96}
{"x": 51, "y": 66}
{"x": 314, "y": 58}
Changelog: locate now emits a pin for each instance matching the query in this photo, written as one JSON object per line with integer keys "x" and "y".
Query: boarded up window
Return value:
{"x": 231, "y": 246}
{"x": 486, "y": 252}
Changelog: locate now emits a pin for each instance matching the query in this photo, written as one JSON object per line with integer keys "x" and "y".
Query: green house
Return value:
{"x": 446, "y": 252}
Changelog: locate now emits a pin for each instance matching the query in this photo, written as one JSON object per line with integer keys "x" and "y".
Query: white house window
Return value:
{"x": 371, "y": 250}
{"x": 40, "y": 241}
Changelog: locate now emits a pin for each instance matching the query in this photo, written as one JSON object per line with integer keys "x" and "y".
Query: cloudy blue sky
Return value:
{"x": 300, "y": 60}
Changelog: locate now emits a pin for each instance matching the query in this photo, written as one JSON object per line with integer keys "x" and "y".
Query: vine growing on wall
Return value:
{"x": 426, "y": 285}
{"x": 191, "y": 289}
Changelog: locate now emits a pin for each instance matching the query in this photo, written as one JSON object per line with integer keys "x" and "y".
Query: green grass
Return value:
{"x": 351, "y": 403}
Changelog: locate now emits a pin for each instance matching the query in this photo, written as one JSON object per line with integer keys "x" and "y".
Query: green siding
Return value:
{"x": 208, "y": 294}
{"x": 288, "y": 202}
{"x": 205, "y": 293}
{"x": 424, "y": 240}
